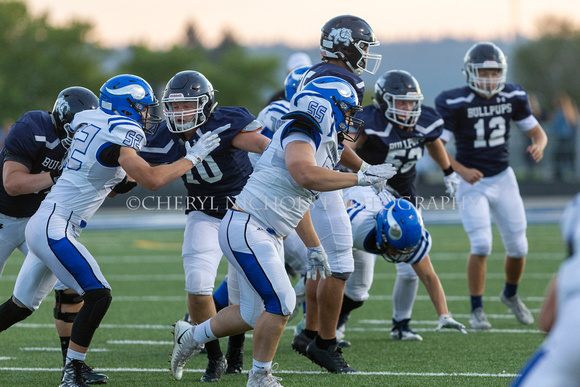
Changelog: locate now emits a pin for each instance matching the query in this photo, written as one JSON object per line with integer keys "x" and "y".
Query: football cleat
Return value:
{"x": 300, "y": 343}
{"x": 90, "y": 376}
{"x": 215, "y": 369}
{"x": 330, "y": 358}
{"x": 401, "y": 331}
{"x": 72, "y": 375}
{"x": 184, "y": 347}
{"x": 522, "y": 313}
{"x": 263, "y": 378}
{"x": 478, "y": 319}
{"x": 234, "y": 360}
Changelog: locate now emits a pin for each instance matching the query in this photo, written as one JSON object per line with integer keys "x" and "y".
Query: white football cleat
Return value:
{"x": 478, "y": 319}
{"x": 263, "y": 378}
{"x": 184, "y": 347}
{"x": 522, "y": 313}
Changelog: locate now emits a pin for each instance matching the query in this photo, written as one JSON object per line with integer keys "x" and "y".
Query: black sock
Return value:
{"x": 324, "y": 344}
{"x": 310, "y": 334}
{"x": 64, "y": 341}
{"x": 213, "y": 350}
{"x": 237, "y": 341}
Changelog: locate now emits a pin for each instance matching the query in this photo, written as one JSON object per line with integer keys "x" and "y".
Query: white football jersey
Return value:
{"x": 86, "y": 180}
{"x": 271, "y": 194}
{"x": 363, "y": 204}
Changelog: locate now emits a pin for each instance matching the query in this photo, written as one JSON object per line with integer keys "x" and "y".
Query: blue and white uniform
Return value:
{"x": 271, "y": 119}
{"x": 481, "y": 128}
{"x": 271, "y": 205}
{"x": 34, "y": 143}
{"x": 388, "y": 143}
{"x": 212, "y": 186}
{"x": 557, "y": 361}
{"x": 90, "y": 173}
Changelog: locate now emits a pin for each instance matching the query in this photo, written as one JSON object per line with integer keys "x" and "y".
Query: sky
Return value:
{"x": 160, "y": 24}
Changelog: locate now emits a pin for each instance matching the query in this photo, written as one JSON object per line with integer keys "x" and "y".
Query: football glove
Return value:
{"x": 317, "y": 261}
{"x": 446, "y": 321}
{"x": 451, "y": 184}
{"x": 124, "y": 186}
{"x": 202, "y": 148}
{"x": 55, "y": 174}
{"x": 375, "y": 174}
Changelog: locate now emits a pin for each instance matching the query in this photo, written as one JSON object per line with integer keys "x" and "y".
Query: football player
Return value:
{"x": 345, "y": 45}
{"x": 190, "y": 110}
{"x": 288, "y": 178}
{"x": 398, "y": 128}
{"x": 30, "y": 164}
{"x": 557, "y": 361}
{"x": 478, "y": 116}
{"x": 103, "y": 152}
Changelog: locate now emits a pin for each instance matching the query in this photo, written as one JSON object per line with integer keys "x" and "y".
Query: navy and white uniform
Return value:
{"x": 34, "y": 143}
{"x": 271, "y": 206}
{"x": 557, "y": 361}
{"x": 90, "y": 173}
{"x": 388, "y": 143}
{"x": 212, "y": 186}
{"x": 481, "y": 128}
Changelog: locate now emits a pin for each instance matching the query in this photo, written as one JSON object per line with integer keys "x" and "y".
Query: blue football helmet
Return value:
{"x": 292, "y": 80}
{"x": 132, "y": 97}
{"x": 399, "y": 229}
{"x": 344, "y": 102}
{"x": 485, "y": 55}
{"x": 69, "y": 102}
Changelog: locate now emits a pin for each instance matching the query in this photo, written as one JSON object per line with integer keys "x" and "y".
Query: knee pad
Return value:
{"x": 10, "y": 314}
{"x": 89, "y": 318}
{"x": 480, "y": 244}
{"x": 517, "y": 247}
{"x": 60, "y": 298}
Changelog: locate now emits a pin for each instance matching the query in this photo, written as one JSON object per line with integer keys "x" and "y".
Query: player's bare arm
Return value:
{"x": 254, "y": 142}
{"x": 19, "y": 181}
{"x": 539, "y": 142}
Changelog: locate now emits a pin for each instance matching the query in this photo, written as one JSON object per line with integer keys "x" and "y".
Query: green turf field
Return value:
{"x": 145, "y": 270}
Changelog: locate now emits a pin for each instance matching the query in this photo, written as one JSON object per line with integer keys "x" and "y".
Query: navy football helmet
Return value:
{"x": 485, "y": 55}
{"x": 402, "y": 86}
{"x": 292, "y": 80}
{"x": 69, "y": 102}
{"x": 188, "y": 86}
{"x": 349, "y": 38}
{"x": 344, "y": 102}
{"x": 132, "y": 97}
{"x": 399, "y": 230}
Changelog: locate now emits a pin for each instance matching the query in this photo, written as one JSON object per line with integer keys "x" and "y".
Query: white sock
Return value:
{"x": 203, "y": 332}
{"x": 404, "y": 293}
{"x": 74, "y": 355}
{"x": 259, "y": 366}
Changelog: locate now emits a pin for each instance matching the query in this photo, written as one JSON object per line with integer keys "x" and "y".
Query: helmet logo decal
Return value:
{"x": 342, "y": 89}
{"x": 136, "y": 91}
{"x": 341, "y": 35}
{"x": 62, "y": 108}
{"x": 395, "y": 231}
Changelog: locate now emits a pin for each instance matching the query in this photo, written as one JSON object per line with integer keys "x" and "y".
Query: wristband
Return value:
{"x": 448, "y": 171}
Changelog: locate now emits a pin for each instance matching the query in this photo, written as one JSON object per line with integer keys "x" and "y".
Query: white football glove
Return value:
{"x": 446, "y": 321}
{"x": 451, "y": 183}
{"x": 376, "y": 173}
{"x": 317, "y": 261}
{"x": 203, "y": 147}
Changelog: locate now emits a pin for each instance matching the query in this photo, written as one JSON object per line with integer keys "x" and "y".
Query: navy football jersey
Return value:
{"x": 32, "y": 141}
{"x": 212, "y": 184}
{"x": 323, "y": 69}
{"x": 388, "y": 143}
{"x": 482, "y": 126}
